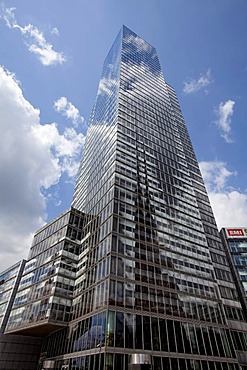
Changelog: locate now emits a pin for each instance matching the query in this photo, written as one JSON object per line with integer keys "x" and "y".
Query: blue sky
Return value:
{"x": 50, "y": 64}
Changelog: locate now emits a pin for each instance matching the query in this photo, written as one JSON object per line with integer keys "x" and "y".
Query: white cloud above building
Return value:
{"x": 229, "y": 204}
{"x": 68, "y": 110}
{"x": 32, "y": 159}
{"x": 224, "y": 114}
{"x": 35, "y": 40}
{"x": 195, "y": 85}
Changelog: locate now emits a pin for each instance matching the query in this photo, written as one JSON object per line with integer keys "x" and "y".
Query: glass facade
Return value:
{"x": 159, "y": 266}
{"x": 16, "y": 351}
{"x": 152, "y": 288}
{"x": 9, "y": 281}
{"x": 43, "y": 301}
{"x": 235, "y": 243}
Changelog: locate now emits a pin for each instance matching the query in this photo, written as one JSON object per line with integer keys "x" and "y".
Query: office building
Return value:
{"x": 44, "y": 297}
{"x": 9, "y": 282}
{"x": 16, "y": 352}
{"x": 235, "y": 242}
{"x": 151, "y": 286}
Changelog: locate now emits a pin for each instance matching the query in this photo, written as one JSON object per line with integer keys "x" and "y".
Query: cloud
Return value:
{"x": 229, "y": 204}
{"x": 224, "y": 113}
{"x": 35, "y": 40}
{"x": 68, "y": 110}
{"x": 32, "y": 159}
{"x": 195, "y": 85}
{"x": 55, "y": 31}
{"x": 215, "y": 174}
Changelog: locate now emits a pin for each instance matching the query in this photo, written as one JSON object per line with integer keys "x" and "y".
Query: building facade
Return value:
{"x": 152, "y": 288}
{"x": 43, "y": 301}
{"x": 235, "y": 242}
{"x": 16, "y": 352}
{"x": 9, "y": 282}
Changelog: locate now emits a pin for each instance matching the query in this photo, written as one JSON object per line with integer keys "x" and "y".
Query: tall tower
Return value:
{"x": 156, "y": 267}
{"x": 152, "y": 285}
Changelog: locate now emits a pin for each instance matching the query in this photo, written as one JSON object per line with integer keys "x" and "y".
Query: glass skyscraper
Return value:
{"x": 152, "y": 288}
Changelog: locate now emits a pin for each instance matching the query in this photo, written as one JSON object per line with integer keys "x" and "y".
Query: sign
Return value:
{"x": 234, "y": 232}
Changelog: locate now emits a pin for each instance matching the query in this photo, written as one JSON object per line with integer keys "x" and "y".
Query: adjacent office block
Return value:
{"x": 235, "y": 241}
{"x": 44, "y": 298}
{"x": 16, "y": 352}
{"x": 9, "y": 282}
{"x": 150, "y": 273}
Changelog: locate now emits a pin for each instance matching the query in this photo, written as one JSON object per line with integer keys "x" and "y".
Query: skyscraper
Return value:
{"x": 152, "y": 284}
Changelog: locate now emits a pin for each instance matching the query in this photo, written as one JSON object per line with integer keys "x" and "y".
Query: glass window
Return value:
{"x": 138, "y": 333}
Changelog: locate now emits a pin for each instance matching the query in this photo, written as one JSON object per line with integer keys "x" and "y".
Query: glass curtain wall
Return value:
{"x": 151, "y": 272}
{"x": 44, "y": 298}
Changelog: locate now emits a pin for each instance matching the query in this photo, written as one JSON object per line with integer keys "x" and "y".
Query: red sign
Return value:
{"x": 235, "y": 232}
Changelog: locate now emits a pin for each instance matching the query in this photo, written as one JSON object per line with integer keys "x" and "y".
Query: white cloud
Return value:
{"x": 230, "y": 208}
{"x": 229, "y": 205}
{"x": 35, "y": 40}
{"x": 67, "y": 109}
{"x": 215, "y": 174}
{"x": 195, "y": 85}
{"x": 224, "y": 113}
{"x": 55, "y": 31}
{"x": 32, "y": 159}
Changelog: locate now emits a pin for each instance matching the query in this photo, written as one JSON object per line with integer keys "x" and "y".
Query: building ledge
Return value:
{"x": 41, "y": 329}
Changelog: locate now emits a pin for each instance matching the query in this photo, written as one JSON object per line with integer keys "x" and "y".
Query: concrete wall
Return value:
{"x": 19, "y": 352}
